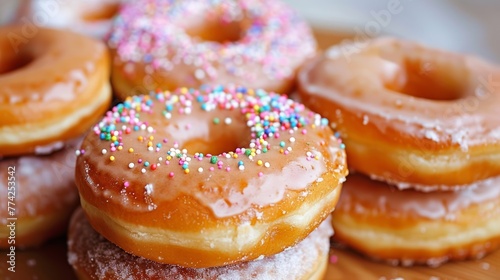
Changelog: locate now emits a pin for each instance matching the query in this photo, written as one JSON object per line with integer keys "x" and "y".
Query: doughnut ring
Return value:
{"x": 410, "y": 115}
{"x": 203, "y": 178}
{"x": 54, "y": 86}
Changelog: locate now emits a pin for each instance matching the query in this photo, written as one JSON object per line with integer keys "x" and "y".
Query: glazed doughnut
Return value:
{"x": 94, "y": 257}
{"x": 53, "y": 87}
{"x": 411, "y": 227}
{"x": 209, "y": 177}
{"x": 410, "y": 115}
{"x": 171, "y": 44}
{"x": 92, "y": 18}
{"x": 44, "y": 198}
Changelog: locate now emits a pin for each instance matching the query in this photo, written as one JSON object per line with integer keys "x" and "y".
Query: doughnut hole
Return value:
{"x": 12, "y": 58}
{"x": 215, "y": 29}
{"x": 431, "y": 79}
{"x": 214, "y": 135}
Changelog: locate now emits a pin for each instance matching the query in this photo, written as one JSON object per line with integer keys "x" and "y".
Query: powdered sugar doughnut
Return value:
{"x": 170, "y": 44}
{"x": 94, "y": 257}
{"x": 40, "y": 194}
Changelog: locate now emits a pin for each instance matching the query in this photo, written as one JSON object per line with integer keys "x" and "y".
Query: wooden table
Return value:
{"x": 350, "y": 265}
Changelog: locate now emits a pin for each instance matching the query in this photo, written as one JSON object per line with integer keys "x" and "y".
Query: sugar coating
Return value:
{"x": 41, "y": 178}
{"x": 93, "y": 254}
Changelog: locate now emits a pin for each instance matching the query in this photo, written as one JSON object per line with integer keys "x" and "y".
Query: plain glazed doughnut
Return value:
{"x": 6, "y": 12}
{"x": 410, "y": 115}
{"x": 170, "y": 44}
{"x": 94, "y": 257}
{"x": 91, "y": 17}
{"x": 410, "y": 227}
{"x": 203, "y": 178}
{"x": 53, "y": 87}
{"x": 42, "y": 196}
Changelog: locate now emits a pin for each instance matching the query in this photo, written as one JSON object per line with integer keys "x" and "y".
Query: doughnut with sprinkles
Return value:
{"x": 171, "y": 44}
{"x": 206, "y": 177}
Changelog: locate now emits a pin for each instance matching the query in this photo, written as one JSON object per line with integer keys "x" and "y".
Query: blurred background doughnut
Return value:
{"x": 91, "y": 17}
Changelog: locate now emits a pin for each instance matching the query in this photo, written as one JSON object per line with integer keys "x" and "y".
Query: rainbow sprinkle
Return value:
{"x": 150, "y": 32}
{"x": 270, "y": 117}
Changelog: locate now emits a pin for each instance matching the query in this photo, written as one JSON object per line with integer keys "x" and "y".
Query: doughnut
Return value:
{"x": 409, "y": 114}
{"x": 171, "y": 44}
{"x": 41, "y": 193}
{"x": 208, "y": 177}
{"x": 94, "y": 257}
{"x": 91, "y": 18}
{"x": 409, "y": 227}
{"x": 53, "y": 87}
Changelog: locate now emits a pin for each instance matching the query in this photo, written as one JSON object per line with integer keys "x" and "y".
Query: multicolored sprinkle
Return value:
{"x": 267, "y": 116}
{"x": 153, "y": 33}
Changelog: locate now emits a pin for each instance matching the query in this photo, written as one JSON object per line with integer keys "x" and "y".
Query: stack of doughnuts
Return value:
{"x": 197, "y": 180}
{"x": 170, "y": 44}
{"x": 53, "y": 87}
{"x": 213, "y": 183}
{"x": 422, "y": 134}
